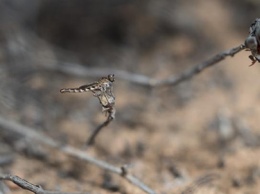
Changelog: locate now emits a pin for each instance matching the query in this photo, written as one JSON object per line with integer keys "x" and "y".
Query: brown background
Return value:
{"x": 170, "y": 136}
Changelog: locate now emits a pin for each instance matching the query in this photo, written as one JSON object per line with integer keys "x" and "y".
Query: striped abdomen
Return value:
{"x": 85, "y": 88}
{"x": 74, "y": 90}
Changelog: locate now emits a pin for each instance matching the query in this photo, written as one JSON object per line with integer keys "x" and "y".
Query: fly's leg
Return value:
{"x": 253, "y": 59}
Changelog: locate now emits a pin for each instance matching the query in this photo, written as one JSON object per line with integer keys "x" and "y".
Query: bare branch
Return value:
{"x": 174, "y": 80}
{"x": 37, "y": 136}
{"x": 91, "y": 139}
{"x": 81, "y": 71}
{"x": 29, "y": 186}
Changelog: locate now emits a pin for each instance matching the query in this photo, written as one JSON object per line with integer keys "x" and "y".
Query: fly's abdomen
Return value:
{"x": 74, "y": 90}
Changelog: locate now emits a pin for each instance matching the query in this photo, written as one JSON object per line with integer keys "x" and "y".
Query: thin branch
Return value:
{"x": 91, "y": 139}
{"x": 29, "y": 186}
{"x": 37, "y": 136}
{"x": 174, "y": 80}
{"x": 81, "y": 71}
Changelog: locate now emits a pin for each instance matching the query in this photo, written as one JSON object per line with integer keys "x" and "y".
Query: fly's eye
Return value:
{"x": 251, "y": 42}
{"x": 111, "y": 77}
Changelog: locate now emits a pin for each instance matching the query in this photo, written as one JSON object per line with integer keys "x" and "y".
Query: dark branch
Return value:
{"x": 29, "y": 186}
{"x": 92, "y": 137}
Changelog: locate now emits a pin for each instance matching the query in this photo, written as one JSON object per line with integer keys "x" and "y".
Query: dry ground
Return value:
{"x": 171, "y": 137}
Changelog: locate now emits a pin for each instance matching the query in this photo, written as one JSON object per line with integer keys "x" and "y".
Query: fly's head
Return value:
{"x": 111, "y": 77}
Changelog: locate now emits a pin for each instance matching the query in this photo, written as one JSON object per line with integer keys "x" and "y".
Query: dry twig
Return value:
{"x": 81, "y": 71}
{"x": 37, "y": 189}
{"x": 40, "y": 138}
{"x": 91, "y": 139}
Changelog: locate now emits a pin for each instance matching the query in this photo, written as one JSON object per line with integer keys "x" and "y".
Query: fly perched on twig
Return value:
{"x": 103, "y": 90}
{"x": 252, "y": 42}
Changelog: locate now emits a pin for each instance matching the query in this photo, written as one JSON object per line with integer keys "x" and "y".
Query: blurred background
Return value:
{"x": 171, "y": 136}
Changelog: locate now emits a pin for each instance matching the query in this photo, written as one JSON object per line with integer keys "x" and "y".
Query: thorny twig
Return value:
{"x": 103, "y": 90}
{"x": 81, "y": 71}
{"x": 37, "y": 189}
{"x": 71, "y": 151}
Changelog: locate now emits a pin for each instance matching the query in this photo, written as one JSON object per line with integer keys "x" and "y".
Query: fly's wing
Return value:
{"x": 103, "y": 99}
{"x": 106, "y": 100}
{"x": 110, "y": 94}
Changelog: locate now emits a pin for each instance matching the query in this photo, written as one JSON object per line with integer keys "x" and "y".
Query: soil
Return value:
{"x": 201, "y": 136}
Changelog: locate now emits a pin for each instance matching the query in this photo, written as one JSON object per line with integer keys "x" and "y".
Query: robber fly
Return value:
{"x": 102, "y": 89}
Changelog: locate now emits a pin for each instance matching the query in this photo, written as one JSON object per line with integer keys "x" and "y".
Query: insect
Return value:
{"x": 95, "y": 87}
{"x": 102, "y": 89}
{"x": 252, "y": 42}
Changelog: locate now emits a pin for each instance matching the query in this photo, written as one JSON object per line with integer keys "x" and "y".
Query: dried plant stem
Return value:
{"x": 40, "y": 138}
{"x": 91, "y": 139}
{"x": 29, "y": 186}
{"x": 174, "y": 80}
{"x": 81, "y": 71}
